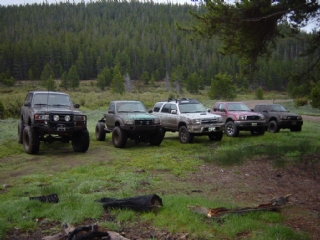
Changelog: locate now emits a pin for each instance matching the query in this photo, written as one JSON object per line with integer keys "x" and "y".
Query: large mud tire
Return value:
{"x": 99, "y": 131}
{"x": 273, "y": 126}
{"x": 231, "y": 129}
{"x": 119, "y": 137}
{"x": 81, "y": 141}
{"x": 216, "y": 136}
{"x": 157, "y": 138}
{"x": 31, "y": 141}
{"x": 20, "y": 131}
{"x": 184, "y": 135}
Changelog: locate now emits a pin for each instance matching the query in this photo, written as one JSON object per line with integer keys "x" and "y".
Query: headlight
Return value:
{"x": 283, "y": 117}
{"x": 41, "y": 117}
{"x": 157, "y": 121}
{"x": 56, "y": 117}
{"x": 241, "y": 118}
{"x": 128, "y": 121}
{"x": 196, "y": 121}
{"x": 67, "y": 118}
{"x": 219, "y": 119}
{"x": 261, "y": 117}
{"x": 299, "y": 118}
{"x": 79, "y": 118}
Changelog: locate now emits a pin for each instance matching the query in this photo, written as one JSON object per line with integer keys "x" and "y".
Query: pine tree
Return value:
{"x": 117, "y": 84}
{"x": 73, "y": 77}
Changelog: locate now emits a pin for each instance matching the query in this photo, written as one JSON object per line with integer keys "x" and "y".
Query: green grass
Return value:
{"x": 104, "y": 171}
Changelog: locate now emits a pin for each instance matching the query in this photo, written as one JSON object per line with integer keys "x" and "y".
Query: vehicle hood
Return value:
{"x": 137, "y": 116}
{"x": 201, "y": 115}
{"x": 58, "y": 110}
{"x": 286, "y": 114}
{"x": 244, "y": 113}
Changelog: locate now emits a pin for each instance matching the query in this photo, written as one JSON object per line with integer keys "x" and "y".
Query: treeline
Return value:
{"x": 141, "y": 39}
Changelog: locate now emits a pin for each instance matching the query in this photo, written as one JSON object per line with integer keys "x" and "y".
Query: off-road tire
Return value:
{"x": 231, "y": 129}
{"x": 31, "y": 141}
{"x": 184, "y": 135}
{"x": 257, "y": 132}
{"x": 295, "y": 129}
{"x": 99, "y": 131}
{"x": 119, "y": 137}
{"x": 80, "y": 141}
{"x": 273, "y": 126}
{"x": 216, "y": 136}
{"x": 20, "y": 131}
{"x": 157, "y": 138}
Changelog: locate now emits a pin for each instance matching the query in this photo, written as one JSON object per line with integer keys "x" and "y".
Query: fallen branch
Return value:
{"x": 273, "y": 205}
{"x": 69, "y": 232}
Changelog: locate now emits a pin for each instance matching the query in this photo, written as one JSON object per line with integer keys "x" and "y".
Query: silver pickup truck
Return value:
{"x": 188, "y": 117}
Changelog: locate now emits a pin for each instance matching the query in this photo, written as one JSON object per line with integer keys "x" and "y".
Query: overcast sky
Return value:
{"x": 18, "y": 2}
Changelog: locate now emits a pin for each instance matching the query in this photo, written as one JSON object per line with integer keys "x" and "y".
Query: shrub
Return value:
{"x": 315, "y": 97}
{"x": 300, "y": 102}
{"x": 259, "y": 93}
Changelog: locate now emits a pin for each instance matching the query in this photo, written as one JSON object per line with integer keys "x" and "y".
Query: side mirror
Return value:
{"x": 173, "y": 111}
{"x": 76, "y": 105}
{"x": 214, "y": 109}
{"x": 208, "y": 110}
{"x": 151, "y": 111}
{"x": 27, "y": 104}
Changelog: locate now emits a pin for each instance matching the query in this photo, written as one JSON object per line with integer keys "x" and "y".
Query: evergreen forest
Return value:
{"x": 139, "y": 40}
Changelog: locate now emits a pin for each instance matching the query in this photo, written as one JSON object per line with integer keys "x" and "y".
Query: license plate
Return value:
{"x": 211, "y": 129}
{"x": 254, "y": 124}
{"x": 61, "y": 128}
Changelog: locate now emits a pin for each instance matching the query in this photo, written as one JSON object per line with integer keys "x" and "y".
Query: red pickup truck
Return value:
{"x": 237, "y": 116}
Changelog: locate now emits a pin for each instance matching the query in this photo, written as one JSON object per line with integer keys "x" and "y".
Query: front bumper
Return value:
{"x": 59, "y": 128}
{"x": 205, "y": 129}
{"x": 290, "y": 123}
{"x": 249, "y": 125}
{"x": 140, "y": 129}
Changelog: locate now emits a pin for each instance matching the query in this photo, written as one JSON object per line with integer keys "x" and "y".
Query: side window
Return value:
{"x": 28, "y": 97}
{"x": 157, "y": 107}
{"x": 166, "y": 108}
{"x": 173, "y": 107}
{"x": 221, "y": 107}
{"x": 112, "y": 106}
{"x": 263, "y": 108}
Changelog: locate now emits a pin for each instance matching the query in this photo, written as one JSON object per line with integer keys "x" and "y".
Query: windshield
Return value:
{"x": 191, "y": 108}
{"x": 237, "y": 107}
{"x": 51, "y": 99}
{"x": 278, "y": 108}
{"x": 130, "y": 107}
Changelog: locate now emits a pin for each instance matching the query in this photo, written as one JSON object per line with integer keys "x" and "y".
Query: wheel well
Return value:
{"x": 117, "y": 124}
{"x": 273, "y": 119}
{"x": 181, "y": 124}
{"x": 229, "y": 120}
{"x": 29, "y": 122}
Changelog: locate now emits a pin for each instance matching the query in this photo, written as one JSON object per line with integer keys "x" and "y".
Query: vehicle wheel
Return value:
{"x": 157, "y": 138}
{"x": 119, "y": 137}
{"x": 30, "y": 139}
{"x": 99, "y": 131}
{"x": 231, "y": 129}
{"x": 20, "y": 131}
{"x": 81, "y": 141}
{"x": 217, "y": 136}
{"x": 273, "y": 126}
{"x": 184, "y": 135}
{"x": 259, "y": 131}
{"x": 296, "y": 129}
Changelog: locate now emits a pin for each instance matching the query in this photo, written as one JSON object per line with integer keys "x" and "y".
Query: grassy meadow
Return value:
{"x": 104, "y": 171}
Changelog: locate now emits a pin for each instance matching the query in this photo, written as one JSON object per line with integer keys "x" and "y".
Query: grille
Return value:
{"x": 208, "y": 121}
{"x": 142, "y": 122}
{"x": 292, "y": 118}
{"x": 253, "y": 117}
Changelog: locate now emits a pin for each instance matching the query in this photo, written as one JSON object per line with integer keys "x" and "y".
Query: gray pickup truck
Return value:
{"x": 277, "y": 117}
{"x": 188, "y": 117}
{"x": 51, "y": 116}
{"x": 129, "y": 120}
